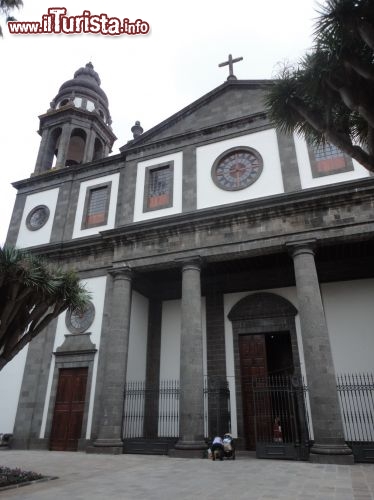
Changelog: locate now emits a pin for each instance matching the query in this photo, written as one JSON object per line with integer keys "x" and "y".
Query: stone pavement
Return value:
{"x": 131, "y": 477}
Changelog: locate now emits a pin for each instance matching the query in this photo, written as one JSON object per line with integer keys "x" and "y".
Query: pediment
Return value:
{"x": 230, "y": 101}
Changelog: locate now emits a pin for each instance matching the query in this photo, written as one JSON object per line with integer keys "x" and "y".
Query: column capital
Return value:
{"x": 296, "y": 248}
{"x": 187, "y": 263}
{"x": 122, "y": 272}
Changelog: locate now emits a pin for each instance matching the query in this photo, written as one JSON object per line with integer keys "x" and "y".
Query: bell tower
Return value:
{"x": 77, "y": 127}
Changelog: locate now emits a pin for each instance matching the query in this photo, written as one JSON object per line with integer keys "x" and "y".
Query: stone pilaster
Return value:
{"x": 115, "y": 358}
{"x": 329, "y": 444}
{"x": 191, "y": 410}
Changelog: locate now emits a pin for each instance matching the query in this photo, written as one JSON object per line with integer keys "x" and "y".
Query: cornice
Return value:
{"x": 69, "y": 173}
{"x": 284, "y": 204}
{"x": 242, "y": 214}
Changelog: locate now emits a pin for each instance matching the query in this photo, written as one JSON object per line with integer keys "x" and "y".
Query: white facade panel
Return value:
{"x": 137, "y": 354}
{"x": 96, "y": 286}
{"x": 176, "y": 208}
{"x": 78, "y": 232}
{"x": 171, "y": 338}
{"x": 305, "y": 170}
{"x": 350, "y": 319}
{"x": 28, "y": 238}
{"x": 269, "y": 183}
{"x": 10, "y": 386}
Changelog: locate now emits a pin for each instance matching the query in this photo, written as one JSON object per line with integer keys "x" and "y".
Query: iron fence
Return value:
{"x": 151, "y": 411}
{"x": 356, "y": 397}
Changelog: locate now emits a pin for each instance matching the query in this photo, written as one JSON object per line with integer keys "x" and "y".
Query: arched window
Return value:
{"x": 98, "y": 150}
{"x": 76, "y": 147}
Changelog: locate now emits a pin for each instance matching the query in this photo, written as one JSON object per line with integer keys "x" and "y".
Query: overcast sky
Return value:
{"x": 146, "y": 78}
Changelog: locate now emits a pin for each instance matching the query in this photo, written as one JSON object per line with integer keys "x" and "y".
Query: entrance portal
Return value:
{"x": 69, "y": 409}
{"x": 261, "y": 356}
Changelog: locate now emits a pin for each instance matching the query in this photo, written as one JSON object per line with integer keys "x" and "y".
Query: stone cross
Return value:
{"x": 230, "y": 64}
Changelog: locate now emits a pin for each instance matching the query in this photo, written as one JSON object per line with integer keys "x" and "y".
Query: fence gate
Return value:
{"x": 281, "y": 420}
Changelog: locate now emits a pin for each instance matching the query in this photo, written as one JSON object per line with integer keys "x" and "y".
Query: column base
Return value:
{"x": 107, "y": 446}
{"x": 331, "y": 454}
{"x": 188, "y": 449}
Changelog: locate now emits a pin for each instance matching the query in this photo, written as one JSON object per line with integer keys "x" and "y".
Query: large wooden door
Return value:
{"x": 252, "y": 351}
{"x": 69, "y": 409}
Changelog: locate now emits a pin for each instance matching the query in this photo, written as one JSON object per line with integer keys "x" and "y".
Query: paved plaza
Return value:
{"x": 82, "y": 476}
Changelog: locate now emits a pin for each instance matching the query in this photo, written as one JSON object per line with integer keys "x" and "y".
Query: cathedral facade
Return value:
{"x": 221, "y": 255}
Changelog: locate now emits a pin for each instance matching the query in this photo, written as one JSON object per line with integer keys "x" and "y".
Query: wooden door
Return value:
{"x": 252, "y": 351}
{"x": 69, "y": 409}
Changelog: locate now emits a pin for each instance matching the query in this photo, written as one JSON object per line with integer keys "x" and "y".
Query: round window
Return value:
{"x": 37, "y": 218}
{"x": 237, "y": 168}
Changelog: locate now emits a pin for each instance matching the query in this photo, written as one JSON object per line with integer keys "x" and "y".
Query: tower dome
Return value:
{"x": 84, "y": 91}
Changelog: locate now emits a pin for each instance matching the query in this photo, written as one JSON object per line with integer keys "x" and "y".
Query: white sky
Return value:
{"x": 146, "y": 78}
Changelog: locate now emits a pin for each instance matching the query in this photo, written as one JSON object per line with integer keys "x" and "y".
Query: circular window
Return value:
{"x": 78, "y": 321}
{"x": 237, "y": 168}
{"x": 37, "y": 218}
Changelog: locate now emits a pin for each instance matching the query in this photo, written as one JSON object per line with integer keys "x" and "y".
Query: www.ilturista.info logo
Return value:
{"x": 57, "y": 22}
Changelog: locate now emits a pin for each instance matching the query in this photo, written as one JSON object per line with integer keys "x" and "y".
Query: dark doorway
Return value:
{"x": 69, "y": 409}
{"x": 261, "y": 356}
{"x": 279, "y": 353}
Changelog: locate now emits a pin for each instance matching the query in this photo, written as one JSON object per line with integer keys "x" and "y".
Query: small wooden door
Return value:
{"x": 69, "y": 409}
{"x": 252, "y": 351}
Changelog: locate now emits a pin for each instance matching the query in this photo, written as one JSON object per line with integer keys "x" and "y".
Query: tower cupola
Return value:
{"x": 77, "y": 127}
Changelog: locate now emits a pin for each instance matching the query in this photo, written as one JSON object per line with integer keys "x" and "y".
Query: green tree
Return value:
{"x": 329, "y": 95}
{"x": 32, "y": 294}
{"x": 6, "y": 9}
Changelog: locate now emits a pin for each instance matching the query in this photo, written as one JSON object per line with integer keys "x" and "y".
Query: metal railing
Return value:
{"x": 356, "y": 396}
{"x": 151, "y": 411}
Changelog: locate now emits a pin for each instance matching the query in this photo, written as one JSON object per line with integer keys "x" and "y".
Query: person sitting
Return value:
{"x": 217, "y": 448}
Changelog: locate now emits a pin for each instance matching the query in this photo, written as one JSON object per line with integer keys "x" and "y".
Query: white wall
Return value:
{"x": 10, "y": 386}
{"x": 176, "y": 208}
{"x": 78, "y": 232}
{"x": 269, "y": 183}
{"x": 27, "y": 238}
{"x": 97, "y": 288}
{"x": 137, "y": 356}
{"x": 307, "y": 181}
{"x": 171, "y": 338}
{"x": 350, "y": 318}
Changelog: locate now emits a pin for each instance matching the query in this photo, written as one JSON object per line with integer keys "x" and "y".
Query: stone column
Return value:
{"x": 115, "y": 353}
{"x": 40, "y": 161}
{"x": 63, "y": 145}
{"x": 89, "y": 147}
{"x": 191, "y": 408}
{"x": 329, "y": 444}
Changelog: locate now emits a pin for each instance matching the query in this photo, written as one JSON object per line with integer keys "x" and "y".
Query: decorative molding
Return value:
{"x": 261, "y": 305}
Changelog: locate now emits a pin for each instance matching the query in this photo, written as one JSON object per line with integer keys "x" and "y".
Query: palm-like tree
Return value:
{"x": 6, "y": 9}
{"x": 329, "y": 96}
{"x": 32, "y": 294}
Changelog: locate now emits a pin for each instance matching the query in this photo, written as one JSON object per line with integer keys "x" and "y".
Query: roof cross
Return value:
{"x": 230, "y": 64}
